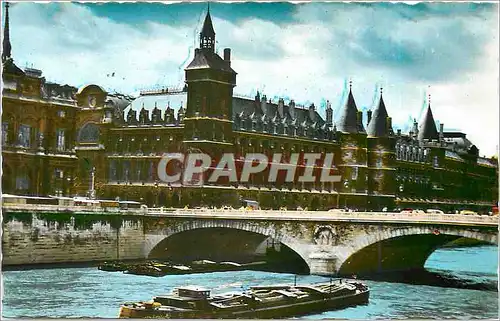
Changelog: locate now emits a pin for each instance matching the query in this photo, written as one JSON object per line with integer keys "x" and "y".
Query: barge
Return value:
{"x": 262, "y": 302}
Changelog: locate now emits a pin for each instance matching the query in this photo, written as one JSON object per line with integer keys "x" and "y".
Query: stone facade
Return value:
{"x": 57, "y": 139}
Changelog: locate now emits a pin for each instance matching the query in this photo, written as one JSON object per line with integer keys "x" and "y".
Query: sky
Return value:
{"x": 304, "y": 51}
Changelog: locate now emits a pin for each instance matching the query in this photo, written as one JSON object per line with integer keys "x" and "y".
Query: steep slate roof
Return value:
{"x": 208, "y": 28}
{"x": 427, "y": 128}
{"x": 348, "y": 119}
{"x": 174, "y": 99}
{"x": 205, "y": 58}
{"x": 244, "y": 108}
{"x": 10, "y": 68}
{"x": 378, "y": 124}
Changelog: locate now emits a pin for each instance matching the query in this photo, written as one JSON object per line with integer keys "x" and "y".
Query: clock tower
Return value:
{"x": 210, "y": 81}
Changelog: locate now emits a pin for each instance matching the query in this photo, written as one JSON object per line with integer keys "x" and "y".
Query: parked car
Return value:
{"x": 468, "y": 212}
{"x": 434, "y": 211}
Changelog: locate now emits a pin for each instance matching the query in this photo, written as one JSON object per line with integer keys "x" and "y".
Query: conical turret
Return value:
{"x": 378, "y": 126}
{"x": 427, "y": 128}
{"x": 348, "y": 121}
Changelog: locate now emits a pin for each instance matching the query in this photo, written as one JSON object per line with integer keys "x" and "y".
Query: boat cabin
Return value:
{"x": 196, "y": 293}
{"x": 191, "y": 298}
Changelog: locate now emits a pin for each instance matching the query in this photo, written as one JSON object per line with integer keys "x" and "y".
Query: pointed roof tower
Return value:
{"x": 7, "y": 48}
{"x": 378, "y": 124}
{"x": 207, "y": 34}
{"x": 8, "y": 63}
{"x": 427, "y": 128}
{"x": 348, "y": 119}
{"x": 205, "y": 57}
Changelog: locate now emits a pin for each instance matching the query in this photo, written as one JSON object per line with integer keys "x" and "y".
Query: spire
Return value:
{"x": 207, "y": 34}
{"x": 348, "y": 119}
{"x": 6, "y": 36}
{"x": 427, "y": 128}
{"x": 378, "y": 123}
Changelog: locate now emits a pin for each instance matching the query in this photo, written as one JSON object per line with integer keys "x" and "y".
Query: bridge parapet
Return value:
{"x": 425, "y": 218}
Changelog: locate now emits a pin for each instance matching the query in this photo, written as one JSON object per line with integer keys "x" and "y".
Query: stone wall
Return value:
{"x": 35, "y": 238}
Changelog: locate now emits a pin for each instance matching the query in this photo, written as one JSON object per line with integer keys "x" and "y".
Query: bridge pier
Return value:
{"x": 323, "y": 263}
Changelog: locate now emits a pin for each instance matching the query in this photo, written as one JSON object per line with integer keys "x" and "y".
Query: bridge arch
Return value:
{"x": 403, "y": 248}
{"x": 154, "y": 238}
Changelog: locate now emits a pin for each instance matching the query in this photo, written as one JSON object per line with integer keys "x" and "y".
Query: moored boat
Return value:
{"x": 263, "y": 302}
{"x": 112, "y": 266}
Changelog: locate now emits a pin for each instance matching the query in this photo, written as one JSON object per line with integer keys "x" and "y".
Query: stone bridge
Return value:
{"x": 330, "y": 243}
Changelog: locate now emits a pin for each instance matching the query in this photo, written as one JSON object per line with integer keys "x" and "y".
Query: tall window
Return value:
{"x": 126, "y": 171}
{"x": 354, "y": 173}
{"x": 58, "y": 173}
{"x": 5, "y": 130}
{"x": 24, "y": 136}
{"x": 138, "y": 171}
{"x": 151, "y": 171}
{"x": 22, "y": 180}
{"x": 60, "y": 136}
{"x": 436, "y": 161}
{"x": 112, "y": 171}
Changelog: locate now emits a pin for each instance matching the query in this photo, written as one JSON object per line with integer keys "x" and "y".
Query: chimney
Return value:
{"x": 263, "y": 104}
{"x": 399, "y": 132}
{"x": 281, "y": 105}
{"x": 360, "y": 118}
{"x": 415, "y": 128}
{"x": 227, "y": 56}
{"x": 369, "y": 113}
{"x": 441, "y": 130}
{"x": 257, "y": 97}
{"x": 329, "y": 113}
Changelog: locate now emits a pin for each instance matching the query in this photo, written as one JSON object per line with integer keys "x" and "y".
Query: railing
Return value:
{"x": 328, "y": 215}
{"x": 421, "y": 218}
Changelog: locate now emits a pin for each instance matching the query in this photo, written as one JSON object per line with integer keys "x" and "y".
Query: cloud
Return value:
{"x": 306, "y": 52}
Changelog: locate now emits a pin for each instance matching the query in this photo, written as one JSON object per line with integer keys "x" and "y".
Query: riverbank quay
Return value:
{"x": 47, "y": 234}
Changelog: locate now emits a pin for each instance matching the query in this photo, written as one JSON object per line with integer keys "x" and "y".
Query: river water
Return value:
{"x": 88, "y": 292}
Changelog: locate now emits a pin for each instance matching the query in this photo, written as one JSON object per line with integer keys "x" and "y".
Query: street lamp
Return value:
{"x": 92, "y": 183}
{"x": 69, "y": 185}
{"x": 156, "y": 194}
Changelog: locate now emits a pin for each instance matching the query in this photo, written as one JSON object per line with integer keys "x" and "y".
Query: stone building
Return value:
{"x": 57, "y": 139}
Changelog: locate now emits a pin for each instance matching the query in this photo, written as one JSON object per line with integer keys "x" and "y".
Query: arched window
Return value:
{"x": 89, "y": 133}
